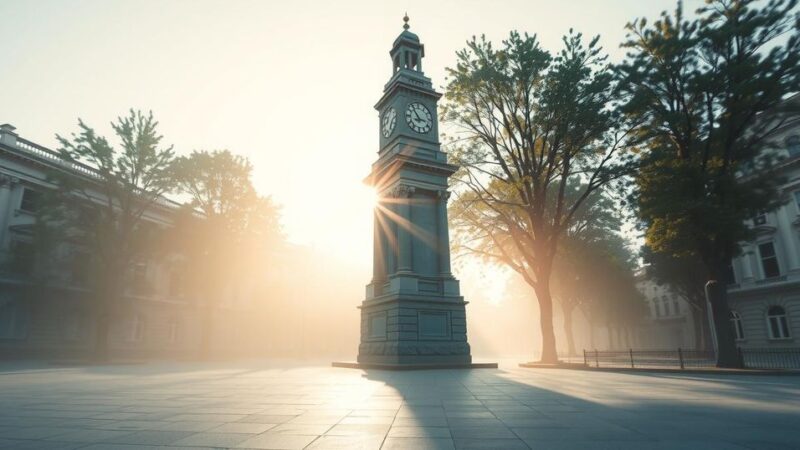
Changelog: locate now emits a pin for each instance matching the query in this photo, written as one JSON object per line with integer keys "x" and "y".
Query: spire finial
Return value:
{"x": 405, "y": 20}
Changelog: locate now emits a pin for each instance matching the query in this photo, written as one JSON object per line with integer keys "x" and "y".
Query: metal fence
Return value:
{"x": 752, "y": 358}
{"x": 770, "y": 358}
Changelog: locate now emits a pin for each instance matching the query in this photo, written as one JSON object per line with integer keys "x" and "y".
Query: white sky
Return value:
{"x": 289, "y": 84}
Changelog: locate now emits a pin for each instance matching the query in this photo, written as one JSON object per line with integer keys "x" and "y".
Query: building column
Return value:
{"x": 6, "y": 211}
{"x": 747, "y": 266}
{"x": 378, "y": 261}
{"x": 444, "y": 233}
{"x": 403, "y": 194}
{"x": 788, "y": 238}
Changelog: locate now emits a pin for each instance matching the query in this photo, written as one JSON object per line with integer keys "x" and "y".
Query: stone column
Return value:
{"x": 747, "y": 265}
{"x": 6, "y": 211}
{"x": 787, "y": 233}
{"x": 444, "y": 233}
{"x": 403, "y": 194}
{"x": 378, "y": 261}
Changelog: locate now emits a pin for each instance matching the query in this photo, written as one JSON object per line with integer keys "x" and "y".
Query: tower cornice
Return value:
{"x": 397, "y": 84}
{"x": 383, "y": 172}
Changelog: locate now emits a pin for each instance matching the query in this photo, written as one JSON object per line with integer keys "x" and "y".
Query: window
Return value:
{"x": 31, "y": 200}
{"x": 175, "y": 283}
{"x": 797, "y": 199}
{"x": 72, "y": 326}
{"x": 793, "y": 145}
{"x": 79, "y": 271}
{"x": 23, "y": 257}
{"x": 13, "y": 321}
{"x": 172, "y": 330}
{"x": 778, "y": 323}
{"x": 137, "y": 328}
{"x": 760, "y": 219}
{"x": 769, "y": 260}
{"x": 730, "y": 274}
{"x": 666, "y": 306}
{"x": 140, "y": 278}
{"x": 676, "y": 307}
{"x": 736, "y": 321}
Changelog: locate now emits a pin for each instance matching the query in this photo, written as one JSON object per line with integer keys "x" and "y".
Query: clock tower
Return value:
{"x": 413, "y": 313}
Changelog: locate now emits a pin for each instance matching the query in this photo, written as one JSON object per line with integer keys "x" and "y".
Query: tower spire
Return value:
{"x": 405, "y": 22}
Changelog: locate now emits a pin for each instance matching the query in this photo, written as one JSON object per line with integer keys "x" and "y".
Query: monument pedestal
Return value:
{"x": 400, "y": 328}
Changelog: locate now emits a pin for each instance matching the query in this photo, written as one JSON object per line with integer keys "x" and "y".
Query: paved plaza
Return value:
{"x": 280, "y": 406}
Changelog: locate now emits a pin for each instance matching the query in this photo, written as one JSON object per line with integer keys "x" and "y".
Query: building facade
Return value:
{"x": 764, "y": 281}
{"x": 669, "y": 320}
{"x": 51, "y": 314}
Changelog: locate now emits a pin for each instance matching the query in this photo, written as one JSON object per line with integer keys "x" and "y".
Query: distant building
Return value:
{"x": 764, "y": 281}
{"x": 668, "y": 323}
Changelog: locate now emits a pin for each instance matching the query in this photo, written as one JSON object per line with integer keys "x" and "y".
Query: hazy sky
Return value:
{"x": 289, "y": 84}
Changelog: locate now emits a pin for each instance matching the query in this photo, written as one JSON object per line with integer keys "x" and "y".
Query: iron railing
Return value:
{"x": 752, "y": 358}
{"x": 770, "y": 358}
{"x": 679, "y": 358}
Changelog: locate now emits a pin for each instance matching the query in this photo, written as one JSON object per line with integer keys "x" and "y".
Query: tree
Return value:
{"x": 685, "y": 275}
{"x": 227, "y": 229}
{"x": 103, "y": 208}
{"x": 590, "y": 242}
{"x": 708, "y": 93}
{"x": 528, "y": 125}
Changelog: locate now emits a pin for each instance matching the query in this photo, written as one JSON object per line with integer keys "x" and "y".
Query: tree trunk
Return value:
{"x": 698, "y": 329}
{"x": 567, "y": 307}
{"x": 727, "y": 353}
{"x": 549, "y": 354}
{"x": 107, "y": 293}
{"x": 101, "y": 336}
{"x": 206, "y": 324}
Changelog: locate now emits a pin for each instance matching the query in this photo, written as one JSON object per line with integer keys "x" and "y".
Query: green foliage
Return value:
{"x": 537, "y": 136}
{"x": 226, "y": 229}
{"x": 531, "y": 128}
{"x": 102, "y": 209}
{"x": 594, "y": 269}
{"x": 708, "y": 92}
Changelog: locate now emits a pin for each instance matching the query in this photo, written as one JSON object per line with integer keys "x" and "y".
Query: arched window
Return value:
{"x": 72, "y": 325}
{"x": 137, "y": 328}
{"x": 738, "y": 329}
{"x": 778, "y": 323}
{"x": 13, "y": 321}
{"x": 793, "y": 145}
{"x": 172, "y": 330}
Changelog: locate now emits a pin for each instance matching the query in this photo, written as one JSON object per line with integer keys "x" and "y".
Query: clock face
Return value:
{"x": 388, "y": 122}
{"x": 419, "y": 118}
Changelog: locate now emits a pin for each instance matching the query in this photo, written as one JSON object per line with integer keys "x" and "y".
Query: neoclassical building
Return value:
{"x": 51, "y": 314}
{"x": 668, "y": 323}
{"x": 764, "y": 282}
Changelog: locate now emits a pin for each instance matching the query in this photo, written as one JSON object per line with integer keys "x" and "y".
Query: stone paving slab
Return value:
{"x": 264, "y": 406}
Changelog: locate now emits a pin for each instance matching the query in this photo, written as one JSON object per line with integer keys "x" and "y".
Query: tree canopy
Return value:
{"x": 708, "y": 92}
{"x": 530, "y": 127}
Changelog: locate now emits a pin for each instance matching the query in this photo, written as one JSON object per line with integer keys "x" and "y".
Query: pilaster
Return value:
{"x": 402, "y": 195}
{"x": 444, "y": 234}
{"x": 7, "y": 182}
